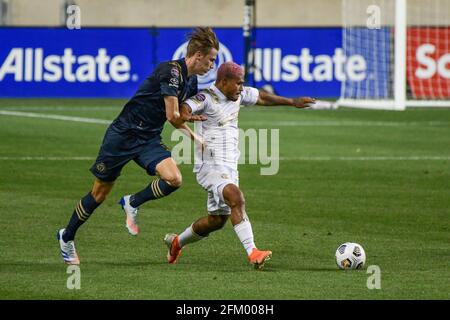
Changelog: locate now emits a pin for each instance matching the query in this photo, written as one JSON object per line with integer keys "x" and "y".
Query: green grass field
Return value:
{"x": 378, "y": 178}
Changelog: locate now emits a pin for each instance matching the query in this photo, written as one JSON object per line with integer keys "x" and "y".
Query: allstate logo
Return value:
{"x": 206, "y": 80}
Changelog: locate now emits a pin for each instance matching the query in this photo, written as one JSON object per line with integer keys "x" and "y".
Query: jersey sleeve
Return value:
{"x": 170, "y": 79}
{"x": 198, "y": 103}
{"x": 249, "y": 96}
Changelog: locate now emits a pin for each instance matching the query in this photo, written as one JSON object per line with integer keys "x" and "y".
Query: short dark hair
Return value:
{"x": 202, "y": 39}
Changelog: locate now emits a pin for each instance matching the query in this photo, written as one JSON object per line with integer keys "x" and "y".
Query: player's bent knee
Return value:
{"x": 175, "y": 179}
{"x": 233, "y": 196}
{"x": 237, "y": 202}
{"x": 169, "y": 172}
{"x": 101, "y": 190}
{"x": 99, "y": 196}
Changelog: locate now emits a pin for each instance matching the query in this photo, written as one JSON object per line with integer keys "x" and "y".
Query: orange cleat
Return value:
{"x": 259, "y": 257}
{"x": 171, "y": 240}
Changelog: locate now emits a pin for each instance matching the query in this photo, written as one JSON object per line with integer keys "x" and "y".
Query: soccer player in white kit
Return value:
{"x": 216, "y": 162}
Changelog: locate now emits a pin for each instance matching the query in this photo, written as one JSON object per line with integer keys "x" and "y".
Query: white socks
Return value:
{"x": 245, "y": 234}
{"x": 243, "y": 231}
{"x": 188, "y": 236}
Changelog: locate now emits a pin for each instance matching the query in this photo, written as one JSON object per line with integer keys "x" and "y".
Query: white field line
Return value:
{"x": 65, "y": 108}
{"x": 323, "y": 158}
{"x": 46, "y": 158}
{"x": 320, "y": 123}
{"x": 53, "y": 117}
{"x": 286, "y": 123}
{"x": 247, "y": 123}
{"x": 366, "y": 158}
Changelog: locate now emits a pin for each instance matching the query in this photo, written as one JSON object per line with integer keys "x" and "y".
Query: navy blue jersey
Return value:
{"x": 145, "y": 114}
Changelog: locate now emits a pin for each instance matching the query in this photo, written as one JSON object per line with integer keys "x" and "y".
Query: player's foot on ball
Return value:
{"x": 171, "y": 240}
{"x": 259, "y": 257}
{"x": 131, "y": 215}
{"x": 68, "y": 251}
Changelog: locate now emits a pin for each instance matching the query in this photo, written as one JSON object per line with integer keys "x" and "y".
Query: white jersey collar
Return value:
{"x": 219, "y": 93}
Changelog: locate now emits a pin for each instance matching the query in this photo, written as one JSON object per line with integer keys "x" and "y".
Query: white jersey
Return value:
{"x": 220, "y": 132}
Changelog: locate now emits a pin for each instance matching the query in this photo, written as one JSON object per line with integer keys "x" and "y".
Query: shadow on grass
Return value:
{"x": 183, "y": 266}
{"x": 35, "y": 266}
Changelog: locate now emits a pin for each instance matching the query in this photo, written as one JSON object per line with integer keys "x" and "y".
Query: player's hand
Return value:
{"x": 303, "y": 102}
{"x": 192, "y": 118}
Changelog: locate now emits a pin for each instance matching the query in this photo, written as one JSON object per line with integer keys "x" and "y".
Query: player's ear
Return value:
{"x": 198, "y": 55}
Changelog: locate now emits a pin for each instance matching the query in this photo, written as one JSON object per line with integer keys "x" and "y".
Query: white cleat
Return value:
{"x": 171, "y": 241}
{"x": 131, "y": 215}
{"x": 68, "y": 251}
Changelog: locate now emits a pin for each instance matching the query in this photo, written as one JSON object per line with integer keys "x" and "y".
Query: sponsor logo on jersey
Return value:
{"x": 174, "y": 82}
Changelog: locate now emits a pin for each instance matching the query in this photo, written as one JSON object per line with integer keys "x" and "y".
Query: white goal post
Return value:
{"x": 405, "y": 46}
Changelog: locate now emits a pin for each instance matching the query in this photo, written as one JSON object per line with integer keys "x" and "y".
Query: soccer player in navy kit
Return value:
{"x": 135, "y": 135}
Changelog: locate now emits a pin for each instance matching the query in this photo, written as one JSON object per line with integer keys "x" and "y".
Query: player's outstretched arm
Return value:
{"x": 172, "y": 109}
{"x": 269, "y": 99}
{"x": 176, "y": 116}
{"x": 191, "y": 134}
{"x": 186, "y": 115}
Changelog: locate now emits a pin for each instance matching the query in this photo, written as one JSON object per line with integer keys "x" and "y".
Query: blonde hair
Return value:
{"x": 202, "y": 39}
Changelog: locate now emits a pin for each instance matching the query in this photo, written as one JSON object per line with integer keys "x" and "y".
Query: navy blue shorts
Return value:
{"x": 118, "y": 148}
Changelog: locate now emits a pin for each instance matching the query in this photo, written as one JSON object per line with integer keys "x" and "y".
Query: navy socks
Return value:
{"x": 155, "y": 190}
{"x": 85, "y": 207}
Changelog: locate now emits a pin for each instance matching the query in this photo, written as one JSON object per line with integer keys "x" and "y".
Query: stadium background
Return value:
{"x": 297, "y": 51}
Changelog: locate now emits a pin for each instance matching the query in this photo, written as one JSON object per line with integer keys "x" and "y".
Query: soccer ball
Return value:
{"x": 350, "y": 255}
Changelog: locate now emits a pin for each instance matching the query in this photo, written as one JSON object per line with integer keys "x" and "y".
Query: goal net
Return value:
{"x": 405, "y": 50}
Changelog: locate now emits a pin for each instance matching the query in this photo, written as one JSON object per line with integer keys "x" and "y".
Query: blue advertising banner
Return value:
{"x": 40, "y": 62}
{"x": 111, "y": 62}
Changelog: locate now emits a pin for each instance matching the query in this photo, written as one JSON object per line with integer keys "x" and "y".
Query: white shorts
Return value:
{"x": 213, "y": 179}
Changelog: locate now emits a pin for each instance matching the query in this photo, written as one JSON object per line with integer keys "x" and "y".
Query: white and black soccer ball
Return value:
{"x": 350, "y": 255}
